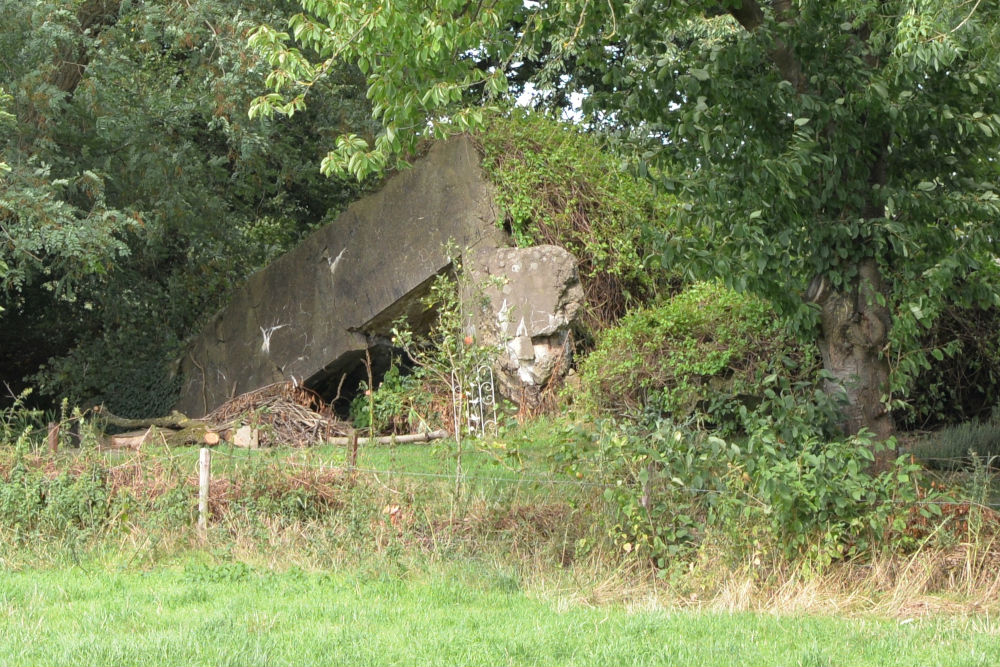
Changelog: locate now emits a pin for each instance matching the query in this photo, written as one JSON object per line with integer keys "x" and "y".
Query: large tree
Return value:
{"x": 838, "y": 156}
{"x": 135, "y": 191}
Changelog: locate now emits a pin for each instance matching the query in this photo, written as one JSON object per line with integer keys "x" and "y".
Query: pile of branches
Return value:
{"x": 283, "y": 413}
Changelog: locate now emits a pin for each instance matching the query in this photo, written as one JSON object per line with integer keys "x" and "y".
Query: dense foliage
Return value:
{"x": 707, "y": 348}
{"x": 557, "y": 184}
{"x": 959, "y": 377}
{"x": 767, "y": 497}
{"x": 845, "y": 145}
{"x": 138, "y": 192}
{"x": 837, "y": 159}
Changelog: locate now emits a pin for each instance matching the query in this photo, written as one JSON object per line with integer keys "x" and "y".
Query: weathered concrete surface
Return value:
{"x": 528, "y": 299}
{"x": 309, "y": 314}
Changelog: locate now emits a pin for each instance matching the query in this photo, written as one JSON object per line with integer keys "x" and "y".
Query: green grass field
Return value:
{"x": 303, "y": 563}
{"x": 230, "y": 614}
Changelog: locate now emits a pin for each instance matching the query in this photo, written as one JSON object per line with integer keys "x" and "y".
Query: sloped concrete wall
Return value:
{"x": 307, "y": 316}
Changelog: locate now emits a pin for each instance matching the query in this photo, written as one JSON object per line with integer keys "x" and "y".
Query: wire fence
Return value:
{"x": 168, "y": 455}
{"x": 513, "y": 477}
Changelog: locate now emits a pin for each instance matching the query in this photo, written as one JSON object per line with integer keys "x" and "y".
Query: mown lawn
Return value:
{"x": 230, "y": 614}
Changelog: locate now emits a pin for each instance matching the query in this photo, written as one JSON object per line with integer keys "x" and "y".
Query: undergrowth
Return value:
{"x": 603, "y": 509}
{"x": 316, "y": 514}
{"x": 706, "y": 350}
{"x": 956, "y": 446}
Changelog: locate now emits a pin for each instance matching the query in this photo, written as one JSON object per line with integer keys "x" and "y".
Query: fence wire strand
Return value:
{"x": 519, "y": 479}
{"x": 177, "y": 462}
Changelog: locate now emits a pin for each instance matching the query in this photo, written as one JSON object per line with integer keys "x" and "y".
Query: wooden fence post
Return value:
{"x": 53, "y": 437}
{"x": 204, "y": 475}
{"x": 352, "y": 455}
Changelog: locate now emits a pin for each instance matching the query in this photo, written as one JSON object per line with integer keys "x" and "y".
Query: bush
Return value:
{"x": 401, "y": 403}
{"x": 708, "y": 348}
{"x": 33, "y": 502}
{"x": 676, "y": 490}
{"x": 816, "y": 499}
{"x": 956, "y": 378}
{"x": 956, "y": 446}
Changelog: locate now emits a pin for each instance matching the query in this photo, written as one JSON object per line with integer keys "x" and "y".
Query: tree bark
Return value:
{"x": 72, "y": 59}
{"x": 854, "y": 331}
{"x": 93, "y": 15}
{"x": 751, "y": 16}
{"x": 174, "y": 430}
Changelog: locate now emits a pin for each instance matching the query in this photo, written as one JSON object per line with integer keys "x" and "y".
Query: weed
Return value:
{"x": 634, "y": 513}
{"x": 811, "y": 500}
{"x": 555, "y": 185}
{"x": 19, "y": 423}
{"x": 399, "y": 404}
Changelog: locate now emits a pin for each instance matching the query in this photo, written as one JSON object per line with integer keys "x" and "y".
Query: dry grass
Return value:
{"x": 961, "y": 579}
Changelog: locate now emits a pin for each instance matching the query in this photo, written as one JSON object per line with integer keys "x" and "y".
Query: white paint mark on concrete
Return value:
{"x": 522, "y": 329}
{"x": 333, "y": 262}
{"x": 265, "y": 347}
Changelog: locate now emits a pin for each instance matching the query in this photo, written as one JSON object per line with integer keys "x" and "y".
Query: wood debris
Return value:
{"x": 278, "y": 414}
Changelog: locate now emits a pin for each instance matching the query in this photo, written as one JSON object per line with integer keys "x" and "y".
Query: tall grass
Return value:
{"x": 397, "y": 513}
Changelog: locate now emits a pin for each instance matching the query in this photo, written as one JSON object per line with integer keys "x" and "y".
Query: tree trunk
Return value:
{"x": 854, "y": 330}
{"x": 71, "y": 59}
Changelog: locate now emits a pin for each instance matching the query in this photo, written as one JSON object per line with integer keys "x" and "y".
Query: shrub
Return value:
{"x": 816, "y": 499}
{"x": 956, "y": 377}
{"x": 706, "y": 348}
{"x": 31, "y": 501}
{"x": 676, "y": 490}
{"x": 400, "y": 403}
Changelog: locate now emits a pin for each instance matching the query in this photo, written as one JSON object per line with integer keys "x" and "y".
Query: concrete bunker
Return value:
{"x": 319, "y": 313}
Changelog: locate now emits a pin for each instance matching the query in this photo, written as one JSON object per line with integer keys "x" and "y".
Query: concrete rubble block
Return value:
{"x": 527, "y": 300}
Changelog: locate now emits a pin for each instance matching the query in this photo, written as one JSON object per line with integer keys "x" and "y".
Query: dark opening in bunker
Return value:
{"x": 340, "y": 383}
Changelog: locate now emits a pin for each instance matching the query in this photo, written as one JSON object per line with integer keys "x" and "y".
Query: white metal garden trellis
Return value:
{"x": 474, "y": 402}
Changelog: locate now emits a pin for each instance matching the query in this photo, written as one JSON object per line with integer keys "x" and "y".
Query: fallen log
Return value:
{"x": 156, "y": 436}
{"x": 131, "y": 440}
{"x": 390, "y": 439}
{"x": 173, "y": 431}
{"x": 173, "y": 420}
